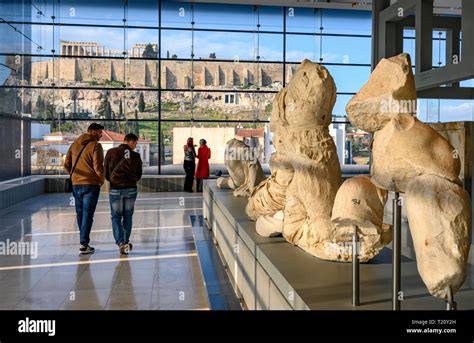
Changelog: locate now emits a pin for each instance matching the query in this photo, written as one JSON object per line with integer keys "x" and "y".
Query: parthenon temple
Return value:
{"x": 68, "y": 48}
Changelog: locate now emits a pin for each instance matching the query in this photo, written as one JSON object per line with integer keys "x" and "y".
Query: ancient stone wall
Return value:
{"x": 175, "y": 74}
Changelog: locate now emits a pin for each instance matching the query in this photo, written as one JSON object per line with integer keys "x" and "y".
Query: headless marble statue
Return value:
{"x": 245, "y": 171}
{"x": 412, "y": 158}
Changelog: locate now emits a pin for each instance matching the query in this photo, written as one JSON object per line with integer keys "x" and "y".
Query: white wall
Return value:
{"x": 216, "y": 138}
{"x": 339, "y": 136}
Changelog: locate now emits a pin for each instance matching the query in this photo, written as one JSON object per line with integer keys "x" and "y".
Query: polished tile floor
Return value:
{"x": 162, "y": 271}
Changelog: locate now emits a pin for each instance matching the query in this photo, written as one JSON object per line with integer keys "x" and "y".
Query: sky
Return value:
{"x": 232, "y": 46}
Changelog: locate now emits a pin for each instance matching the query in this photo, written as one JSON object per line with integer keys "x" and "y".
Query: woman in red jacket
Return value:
{"x": 202, "y": 170}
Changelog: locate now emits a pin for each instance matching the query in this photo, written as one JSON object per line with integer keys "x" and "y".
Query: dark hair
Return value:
{"x": 203, "y": 141}
{"x": 131, "y": 137}
{"x": 95, "y": 126}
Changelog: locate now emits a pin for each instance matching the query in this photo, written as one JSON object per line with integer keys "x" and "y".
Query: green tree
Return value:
{"x": 105, "y": 112}
{"x": 120, "y": 110}
{"x": 40, "y": 106}
{"x": 212, "y": 55}
{"x": 149, "y": 52}
{"x": 141, "y": 103}
{"x": 136, "y": 126}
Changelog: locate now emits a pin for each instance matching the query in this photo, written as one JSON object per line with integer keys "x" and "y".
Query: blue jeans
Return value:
{"x": 85, "y": 199}
{"x": 122, "y": 203}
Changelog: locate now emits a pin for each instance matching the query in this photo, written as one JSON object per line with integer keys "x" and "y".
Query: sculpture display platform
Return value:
{"x": 271, "y": 274}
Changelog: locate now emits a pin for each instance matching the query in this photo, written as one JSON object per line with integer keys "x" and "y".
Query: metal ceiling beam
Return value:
{"x": 397, "y": 11}
{"x": 423, "y": 35}
{"x": 343, "y": 5}
{"x": 446, "y": 93}
{"x": 393, "y": 19}
{"x": 439, "y": 23}
{"x": 377, "y": 7}
{"x": 445, "y": 75}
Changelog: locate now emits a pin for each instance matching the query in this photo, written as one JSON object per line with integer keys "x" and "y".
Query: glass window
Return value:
{"x": 13, "y": 39}
{"x": 104, "y": 12}
{"x": 176, "y": 74}
{"x": 339, "y": 109}
{"x": 143, "y": 13}
{"x": 216, "y": 83}
{"x": 90, "y": 41}
{"x": 300, "y": 19}
{"x": 176, "y": 44}
{"x": 226, "y": 45}
{"x": 270, "y": 18}
{"x": 176, "y": 14}
{"x": 439, "y": 48}
{"x": 225, "y": 16}
{"x": 175, "y": 135}
{"x": 443, "y": 110}
{"x": 142, "y": 43}
{"x": 354, "y": 21}
{"x": 232, "y": 105}
{"x": 349, "y": 79}
{"x": 176, "y": 105}
{"x": 346, "y": 50}
{"x": 50, "y": 141}
{"x": 235, "y": 75}
{"x": 300, "y": 47}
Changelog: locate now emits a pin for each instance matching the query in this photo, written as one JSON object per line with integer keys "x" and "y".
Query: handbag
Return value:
{"x": 68, "y": 184}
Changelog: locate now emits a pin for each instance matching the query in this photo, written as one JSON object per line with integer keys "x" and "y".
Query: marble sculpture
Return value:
{"x": 245, "y": 170}
{"x": 412, "y": 158}
{"x": 297, "y": 199}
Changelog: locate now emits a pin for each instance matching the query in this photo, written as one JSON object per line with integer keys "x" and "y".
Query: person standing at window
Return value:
{"x": 84, "y": 162}
{"x": 123, "y": 169}
{"x": 202, "y": 170}
{"x": 189, "y": 165}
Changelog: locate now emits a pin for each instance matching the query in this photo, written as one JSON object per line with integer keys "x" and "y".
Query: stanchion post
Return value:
{"x": 451, "y": 305}
{"x": 396, "y": 251}
{"x": 355, "y": 268}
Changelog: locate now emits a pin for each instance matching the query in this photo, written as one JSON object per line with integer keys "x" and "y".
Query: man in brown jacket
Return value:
{"x": 123, "y": 168}
{"x": 86, "y": 178}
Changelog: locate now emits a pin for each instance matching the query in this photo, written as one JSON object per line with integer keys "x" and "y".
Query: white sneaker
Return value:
{"x": 86, "y": 249}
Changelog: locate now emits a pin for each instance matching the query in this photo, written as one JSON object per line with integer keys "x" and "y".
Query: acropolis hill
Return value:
{"x": 143, "y": 73}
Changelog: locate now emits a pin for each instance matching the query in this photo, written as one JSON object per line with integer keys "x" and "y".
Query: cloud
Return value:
{"x": 465, "y": 107}
{"x": 451, "y": 110}
{"x": 226, "y": 45}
